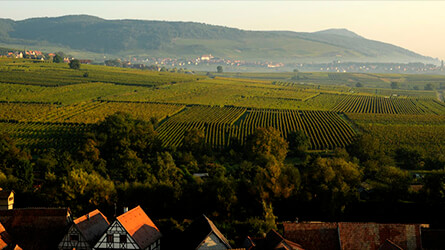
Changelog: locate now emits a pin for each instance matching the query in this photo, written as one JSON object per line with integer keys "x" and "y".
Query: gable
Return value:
{"x": 74, "y": 239}
{"x": 212, "y": 242}
{"x": 111, "y": 239}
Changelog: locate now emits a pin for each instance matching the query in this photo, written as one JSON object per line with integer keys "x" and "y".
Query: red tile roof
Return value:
{"x": 374, "y": 235}
{"x": 92, "y": 226}
{"x": 140, "y": 227}
{"x": 349, "y": 235}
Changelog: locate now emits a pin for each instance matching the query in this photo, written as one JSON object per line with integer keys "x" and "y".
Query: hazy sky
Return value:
{"x": 415, "y": 25}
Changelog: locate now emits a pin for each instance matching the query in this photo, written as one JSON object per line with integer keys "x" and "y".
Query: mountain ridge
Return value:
{"x": 129, "y": 37}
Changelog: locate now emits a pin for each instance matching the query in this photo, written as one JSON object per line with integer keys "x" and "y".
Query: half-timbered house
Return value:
{"x": 203, "y": 234}
{"x": 132, "y": 230}
{"x": 85, "y": 232}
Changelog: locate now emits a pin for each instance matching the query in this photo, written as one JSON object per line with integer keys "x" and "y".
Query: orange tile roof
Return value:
{"x": 5, "y": 239}
{"x": 140, "y": 227}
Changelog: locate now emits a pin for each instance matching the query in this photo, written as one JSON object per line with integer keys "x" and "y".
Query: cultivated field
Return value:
{"x": 44, "y": 104}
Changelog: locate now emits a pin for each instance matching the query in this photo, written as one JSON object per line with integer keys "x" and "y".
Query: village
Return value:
{"x": 58, "y": 228}
{"x": 208, "y": 61}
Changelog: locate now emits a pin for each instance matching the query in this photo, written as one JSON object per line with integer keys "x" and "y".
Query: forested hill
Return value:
{"x": 189, "y": 40}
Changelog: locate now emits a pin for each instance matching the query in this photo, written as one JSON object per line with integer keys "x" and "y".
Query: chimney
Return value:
{"x": 125, "y": 209}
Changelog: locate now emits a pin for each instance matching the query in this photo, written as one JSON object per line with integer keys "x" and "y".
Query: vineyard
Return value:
{"x": 326, "y": 130}
{"x": 382, "y": 105}
{"x": 43, "y": 73}
{"x": 43, "y": 104}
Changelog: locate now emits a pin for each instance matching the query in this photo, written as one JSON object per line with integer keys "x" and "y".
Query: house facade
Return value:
{"x": 132, "y": 230}
{"x": 6, "y": 199}
{"x": 85, "y": 231}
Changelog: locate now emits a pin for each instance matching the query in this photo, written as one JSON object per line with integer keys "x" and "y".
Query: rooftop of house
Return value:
{"x": 199, "y": 230}
{"x": 140, "y": 227}
{"x": 36, "y": 228}
{"x": 92, "y": 226}
{"x": 352, "y": 235}
{"x": 5, "y": 238}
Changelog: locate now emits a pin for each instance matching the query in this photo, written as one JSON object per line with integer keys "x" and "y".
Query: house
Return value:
{"x": 203, "y": 234}
{"x": 85, "y": 231}
{"x": 206, "y": 57}
{"x": 6, "y": 199}
{"x": 132, "y": 230}
{"x": 36, "y": 228}
{"x": 351, "y": 235}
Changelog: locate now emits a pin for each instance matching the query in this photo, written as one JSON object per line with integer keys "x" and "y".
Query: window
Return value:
{"x": 123, "y": 238}
{"x": 11, "y": 198}
{"x": 110, "y": 238}
{"x": 74, "y": 237}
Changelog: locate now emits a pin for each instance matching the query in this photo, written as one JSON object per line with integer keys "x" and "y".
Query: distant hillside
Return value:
{"x": 91, "y": 34}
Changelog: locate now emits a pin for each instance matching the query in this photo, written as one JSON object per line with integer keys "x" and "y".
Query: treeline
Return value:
{"x": 245, "y": 188}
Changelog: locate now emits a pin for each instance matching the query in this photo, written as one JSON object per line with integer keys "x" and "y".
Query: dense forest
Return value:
{"x": 245, "y": 188}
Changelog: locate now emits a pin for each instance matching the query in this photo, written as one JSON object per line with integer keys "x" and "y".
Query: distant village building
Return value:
{"x": 203, "y": 234}
{"x": 206, "y": 57}
{"x": 36, "y": 228}
{"x": 6, "y": 199}
{"x": 132, "y": 230}
{"x": 85, "y": 231}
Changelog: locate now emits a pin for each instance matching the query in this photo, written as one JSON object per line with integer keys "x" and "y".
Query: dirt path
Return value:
{"x": 440, "y": 96}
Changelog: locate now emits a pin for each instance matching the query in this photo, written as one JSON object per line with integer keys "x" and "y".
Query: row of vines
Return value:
{"x": 326, "y": 130}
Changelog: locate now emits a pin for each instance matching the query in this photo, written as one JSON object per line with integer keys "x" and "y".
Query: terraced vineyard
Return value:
{"x": 382, "y": 105}
{"x": 326, "y": 130}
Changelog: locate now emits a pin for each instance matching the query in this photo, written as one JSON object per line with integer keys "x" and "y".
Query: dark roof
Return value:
{"x": 5, "y": 193}
{"x": 313, "y": 235}
{"x": 92, "y": 226}
{"x": 140, "y": 227}
{"x": 36, "y": 228}
{"x": 199, "y": 230}
{"x": 389, "y": 245}
{"x": 349, "y": 235}
{"x": 274, "y": 240}
{"x": 433, "y": 238}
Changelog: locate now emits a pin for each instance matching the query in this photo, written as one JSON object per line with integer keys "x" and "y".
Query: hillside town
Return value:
{"x": 58, "y": 228}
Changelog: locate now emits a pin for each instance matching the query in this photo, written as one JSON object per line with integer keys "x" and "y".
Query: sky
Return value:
{"x": 415, "y": 25}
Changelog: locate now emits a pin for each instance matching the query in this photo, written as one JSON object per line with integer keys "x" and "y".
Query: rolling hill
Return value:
{"x": 91, "y": 36}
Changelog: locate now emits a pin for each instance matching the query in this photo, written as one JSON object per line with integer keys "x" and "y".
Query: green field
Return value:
{"x": 40, "y": 100}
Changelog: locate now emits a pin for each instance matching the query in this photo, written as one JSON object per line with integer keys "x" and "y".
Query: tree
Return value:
{"x": 74, "y": 64}
{"x": 332, "y": 182}
{"x": 298, "y": 143}
{"x": 429, "y": 86}
{"x": 394, "y": 85}
{"x": 57, "y": 59}
{"x": 219, "y": 69}
{"x": 266, "y": 144}
{"x": 359, "y": 85}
